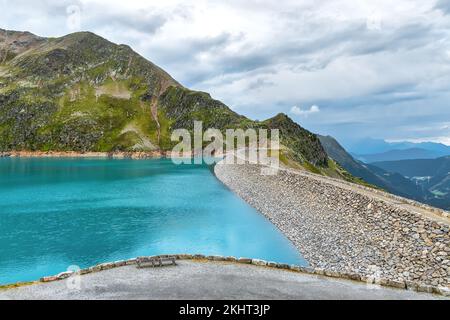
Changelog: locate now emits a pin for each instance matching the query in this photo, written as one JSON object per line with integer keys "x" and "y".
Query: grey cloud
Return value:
{"x": 53, "y": 16}
{"x": 402, "y": 92}
{"x": 211, "y": 43}
{"x": 185, "y": 54}
{"x": 187, "y": 50}
{"x": 40, "y": 8}
{"x": 49, "y": 6}
{"x": 259, "y": 83}
{"x": 304, "y": 41}
{"x": 385, "y": 122}
{"x": 41, "y": 17}
{"x": 142, "y": 21}
{"x": 389, "y": 95}
{"x": 307, "y": 55}
{"x": 407, "y": 37}
{"x": 444, "y": 6}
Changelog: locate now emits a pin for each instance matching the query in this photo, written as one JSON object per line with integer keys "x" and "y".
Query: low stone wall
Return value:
{"x": 261, "y": 263}
{"x": 74, "y": 154}
{"x": 344, "y": 231}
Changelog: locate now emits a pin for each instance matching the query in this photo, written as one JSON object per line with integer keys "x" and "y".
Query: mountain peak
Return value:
{"x": 300, "y": 139}
{"x": 13, "y": 43}
{"x": 281, "y": 116}
{"x": 83, "y": 92}
{"x": 79, "y": 55}
{"x": 81, "y": 36}
{"x": 13, "y": 32}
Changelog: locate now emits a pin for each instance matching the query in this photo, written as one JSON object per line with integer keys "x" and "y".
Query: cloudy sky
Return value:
{"x": 348, "y": 68}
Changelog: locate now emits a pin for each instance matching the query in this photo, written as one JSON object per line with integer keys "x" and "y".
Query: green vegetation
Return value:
{"x": 17, "y": 285}
{"x": 83, "y": 93}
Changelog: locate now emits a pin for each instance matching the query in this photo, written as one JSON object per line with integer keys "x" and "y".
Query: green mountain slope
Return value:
{"x": 430, "y": 175}
{"x": 81, "y": 92}
{"x": 418, "y": 167}
{"x": 393, "y": 176}
{"x": 395, "y": 155}
{"x": 358, "y": 169}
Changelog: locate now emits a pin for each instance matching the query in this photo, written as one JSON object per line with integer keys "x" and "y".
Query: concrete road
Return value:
{"x": 195, "y": 280}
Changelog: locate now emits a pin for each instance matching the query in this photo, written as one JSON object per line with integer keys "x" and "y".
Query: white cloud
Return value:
{"x": 376, "y": 65}
{"x": 305, "y": 113}
{"x": 444, "y": 140}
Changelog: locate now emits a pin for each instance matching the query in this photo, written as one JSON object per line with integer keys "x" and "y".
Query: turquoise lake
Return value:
{"x": 56, "y": 213}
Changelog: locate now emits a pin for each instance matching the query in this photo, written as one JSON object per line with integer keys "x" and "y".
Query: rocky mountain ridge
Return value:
{"x": 425, "y": 180}
{"x": 84, "y": 93}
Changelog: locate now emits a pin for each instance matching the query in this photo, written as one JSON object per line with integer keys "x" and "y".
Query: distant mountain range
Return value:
{"x": 400, "y": 154}
{"x": 431, "y": 175}
{"x": 391, "y": 182}
{"x": 418, "y": 167}
{"x": 427, "y": 181}
{"x": 81, "y": 92}
{"x": 372, "y": 150}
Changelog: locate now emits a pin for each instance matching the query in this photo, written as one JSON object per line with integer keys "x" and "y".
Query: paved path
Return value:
{"x": 208, "y": 280}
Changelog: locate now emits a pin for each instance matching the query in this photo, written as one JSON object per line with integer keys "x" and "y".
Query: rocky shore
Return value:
{"x": 345, "y": 230}
{"x": 74, "y": 154}
{"x": 91, "y": 154}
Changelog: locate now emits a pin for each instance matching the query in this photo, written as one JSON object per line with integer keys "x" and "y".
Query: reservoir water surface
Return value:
{"x": 56, "y": 213}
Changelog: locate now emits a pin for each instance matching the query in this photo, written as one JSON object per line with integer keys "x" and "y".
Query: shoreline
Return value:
{"x": 344, "y": 229}
{"x": 138, "y": 155}
{"x": 350, "y": 278}
{"x": 89, "y": 154}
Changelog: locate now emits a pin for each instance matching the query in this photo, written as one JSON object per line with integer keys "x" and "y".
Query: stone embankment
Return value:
{"x": 74, "y": 154}
{"x": 349, "y": 230}
{"x": 93, "y": 154}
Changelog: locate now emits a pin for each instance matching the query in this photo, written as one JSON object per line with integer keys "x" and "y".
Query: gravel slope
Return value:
{"x": 345, "y": 229}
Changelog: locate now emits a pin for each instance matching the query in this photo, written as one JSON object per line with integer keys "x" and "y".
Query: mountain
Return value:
{"x": 356, "y": 168}
{"x": 394, "y": 155}
{"x": 392, "y": 182}
{"x": 432, "y": 175}
{"x": 425, "y": 180}
{"x": 402, "y": 186}
{"x": 418, "y": 168}
{"x": 369, "y": 146}
{"x": 83, "y": 93}
{"x": 79, "y": 92}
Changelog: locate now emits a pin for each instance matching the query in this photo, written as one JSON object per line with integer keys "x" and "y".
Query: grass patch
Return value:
{"x": 17, "y": 285}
